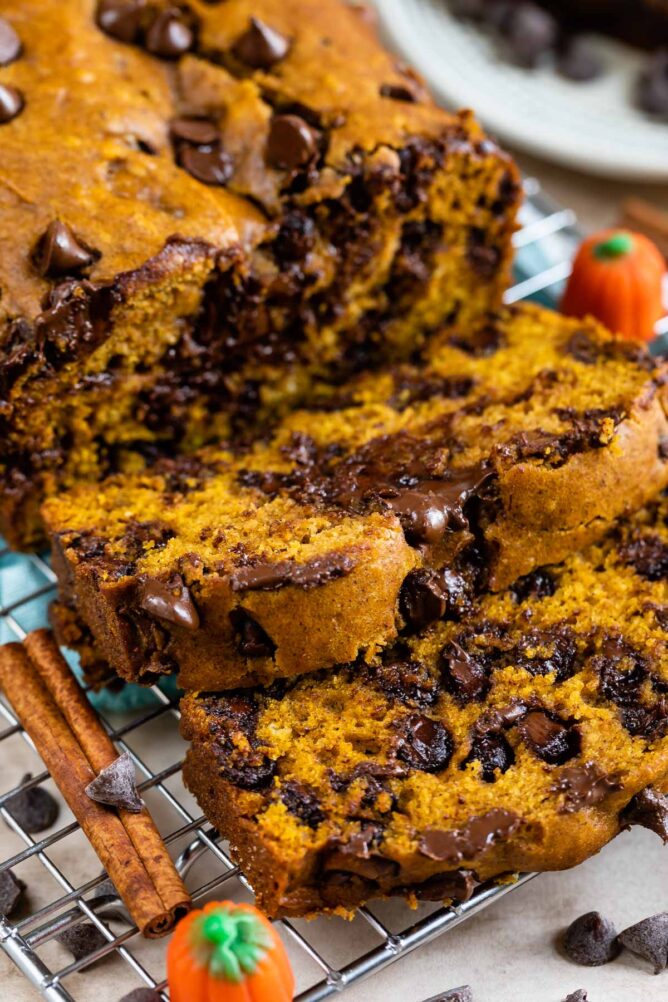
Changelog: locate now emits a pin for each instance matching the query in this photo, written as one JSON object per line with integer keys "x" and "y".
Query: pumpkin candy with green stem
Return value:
{"x": 618, "y": 278}
{"x": 228, "y": 952}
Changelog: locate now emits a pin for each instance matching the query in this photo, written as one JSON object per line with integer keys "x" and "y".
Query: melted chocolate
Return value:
{"x": 169, "y": 600}
{"x": 476, "y": 837}
{"x": 649, "y": 809}
{"x": 271, "y": 577}
{"x": 584, "y": 786}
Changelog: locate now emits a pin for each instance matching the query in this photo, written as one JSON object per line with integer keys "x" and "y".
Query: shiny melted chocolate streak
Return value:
{"x": 399, "y": 473}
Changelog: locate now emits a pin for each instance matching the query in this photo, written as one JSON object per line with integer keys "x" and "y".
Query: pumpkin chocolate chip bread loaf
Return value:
{"x": 384, "y": 507}
{"x": 225, "y": 202}
{"x": 514, "y": 740}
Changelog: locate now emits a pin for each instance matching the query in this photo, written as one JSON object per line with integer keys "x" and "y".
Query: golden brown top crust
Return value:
{"x": 91, "y": 144}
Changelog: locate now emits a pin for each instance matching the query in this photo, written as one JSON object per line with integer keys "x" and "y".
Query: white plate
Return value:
{"x": 590, "y": 126}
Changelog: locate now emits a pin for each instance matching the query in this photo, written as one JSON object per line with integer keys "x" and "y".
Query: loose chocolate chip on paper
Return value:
{"x": 141, "y": 995}
{"x": 463, "y": 994}
{"x": 116, "y": 785}
{"x": 291, "y": 142}
{"x": 34, "y": 809}
{"x": 591, "y": 940}
{"x": 82, "y": 939}
{"x": 649, "y": 939}
{"x": 10, "y": 43}
{"x": 11, "y": 890}
{"x": 649, "y": 809}
{"x": 120, "y": 19}
{"x": 579, "y": 995}
{"x": 59, "y": 252}
{"x": 261, "y": 46}
{"x": 11, "y": 103}
{"x": 170, "y": 35}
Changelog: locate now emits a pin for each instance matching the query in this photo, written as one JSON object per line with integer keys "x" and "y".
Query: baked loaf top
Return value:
{"x": 385, "y": 507}
{"x": 510, "y": 741}
{"x": 230, "y": 201}
{"x": 98, "y": 97}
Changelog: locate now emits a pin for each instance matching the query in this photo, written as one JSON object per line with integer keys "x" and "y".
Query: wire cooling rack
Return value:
{"x": 329, "y": 955}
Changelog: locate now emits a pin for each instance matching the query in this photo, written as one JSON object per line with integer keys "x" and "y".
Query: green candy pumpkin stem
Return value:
{"x": 617, "y": 245}
{"x": 234, "y": 942}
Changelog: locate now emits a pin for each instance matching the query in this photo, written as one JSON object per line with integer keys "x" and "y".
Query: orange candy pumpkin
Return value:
{"x": 618, "y": 278}
{"x": 228, "y": 952}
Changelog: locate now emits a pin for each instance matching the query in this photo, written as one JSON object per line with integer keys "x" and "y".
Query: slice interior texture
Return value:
{"x": 384, "y": 507}
{"x": 513, "y": 741}
{"x": 230, "y": 201}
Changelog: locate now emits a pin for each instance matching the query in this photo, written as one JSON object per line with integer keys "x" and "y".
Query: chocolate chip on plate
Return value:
{"x": 120, "y": 19}
{"x": 11, "y": 890}
{"x": 591, "y": 940}
{"x": 579, "y": 60}
{"x": 261, "y": 46}
{"x": 649, "y": 939}
{"x": 529, "y": 32}
{"x": 116, "y": 785}
{"x": 141, "y": 995}
{"x": 652, "y": 89}
{"x": 291, "y": 142}
{"x": 34, "y": 809}
{"x": 82, "y": 939}
{"x": 170, "y": 35}
{"x": 58, "y": 252}
{"x": 10, "y": 43}
{"x": 11, "y": 103}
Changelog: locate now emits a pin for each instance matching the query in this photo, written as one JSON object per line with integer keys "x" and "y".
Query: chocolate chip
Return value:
{"x": 261, "y": 46}
{"x": 272, "y": 576}
{"x": 142, "y": 995}
{"x": 208, "y": 164}
{"x": 11, "y": 890}
{"x": 303, "y": 802}
{"x": 477, "y": 836}
{"x": 455, "y": 885}
{"x": 59, "y": 252}
{"x": 584, "y": 786}
{"x": 648, "y": 555}
{"x": 423, "y": 598}
{"x": 494, "y": 754}
{"x": 170, "y": 600}
{"x": 120, "y": 19}
{"x": 649, "y": 940}
{"x": 116, "y": 785}
{"x": 296, "y": 236}
{"x": 405, "y": 680}
{"x": 252, "y": 641}
{"x": 549, "y": 739}
{"x": 170, "y": 35}
{"x": 579, "y": 61}
{"x": 463, "y": 994}
{"x": 583, "y": 348}
{"x": 579, "y": 995}
{"x": 11, "y": 103}
{"x": 649, "y": 809}
{"x": 397, "y": 92}
{"x": 10, "y": 43}
{"x": 34, "y": 809}
{"x": 425, "y": 744}
{"x": 537, "y": 585}
{"x": 462, "y": 676}
{"x": 529, "y": 33}
{"x": 652, "y": 89}
{"x": 82, "y": 939}
{"x": 291, "y": 142}
{"x": 591, "y": 940}
{"x": 197, "y": 131}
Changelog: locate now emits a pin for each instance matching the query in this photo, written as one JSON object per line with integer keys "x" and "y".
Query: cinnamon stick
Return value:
{"x": 70, "y": 739}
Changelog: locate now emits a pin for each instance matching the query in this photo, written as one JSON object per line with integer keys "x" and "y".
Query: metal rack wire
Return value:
{"x": 29, "y": 586}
